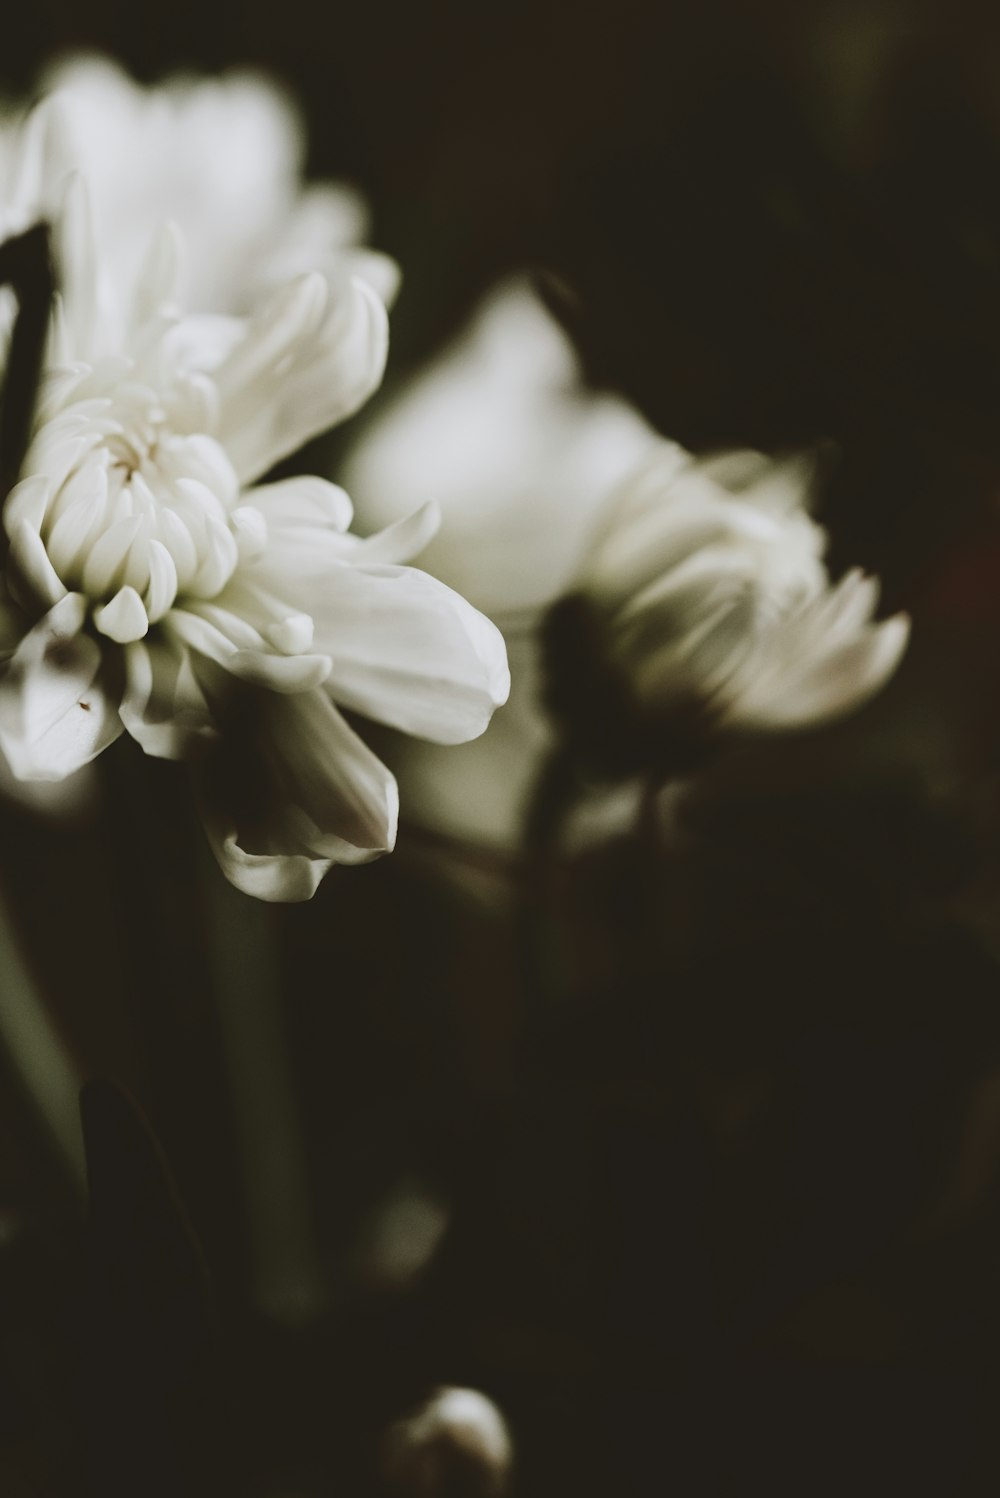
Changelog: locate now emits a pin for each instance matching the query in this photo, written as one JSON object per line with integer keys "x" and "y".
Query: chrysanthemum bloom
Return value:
{"x": 157, "y": 586}
{"x": 222, "y": 158}
{"x": 710, "y": 590}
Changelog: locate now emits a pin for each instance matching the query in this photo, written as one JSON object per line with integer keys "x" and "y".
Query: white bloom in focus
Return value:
{"x": 501, "y": 432}
{"x": 157, "y": 586}
{"x": 222, "y": 158}
{"x": 710, "y": 581}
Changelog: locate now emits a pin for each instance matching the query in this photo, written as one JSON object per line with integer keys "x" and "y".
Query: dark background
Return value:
{"x": 724, "y": 1184}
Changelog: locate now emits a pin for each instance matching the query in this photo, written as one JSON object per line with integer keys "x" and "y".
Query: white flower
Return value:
{"x": 157, "y": 586}
{"x": 711, "y": 584}
{"x": 222, "y": 158}
{"x": 457, "y": 1441}
{"x": 521, "y": 458}
{"x": 707, "y": 576}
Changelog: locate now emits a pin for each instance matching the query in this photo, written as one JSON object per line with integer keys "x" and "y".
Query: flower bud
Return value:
{"x": 456, "y": 1445}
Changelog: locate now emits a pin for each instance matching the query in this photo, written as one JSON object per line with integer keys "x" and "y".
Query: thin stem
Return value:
{"x": 288, "y": 1277}
{"x": 38, "y": 1053}
{"x": 553, "y": 798}
{"x": 25, "y": 265}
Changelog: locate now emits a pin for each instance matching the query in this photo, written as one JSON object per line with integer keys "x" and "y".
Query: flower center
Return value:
{"x": 132, "y": 506}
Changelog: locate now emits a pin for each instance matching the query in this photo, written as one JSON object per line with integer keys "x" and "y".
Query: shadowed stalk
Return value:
{"x": 288, "y": 1279}
{"x": 26, "y": 266}
{"x": 32, "y": 1041}
{"x": 37, "y": 1051}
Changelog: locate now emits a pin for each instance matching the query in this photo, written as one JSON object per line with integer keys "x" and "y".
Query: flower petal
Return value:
{"x": 35, "y": 578}
{"x": 123, "y": 619}
{"x": 55, "y": 713}
{"x": 302, "y": 502}
{"x": 301, "y": 368}
{"x": 404, "y": 539}
{"x": 156, "y": 283}
{"x": 410, "y": 652}
{"x": 295, "y": 792}
{"x": 163, "y": 707}
{"x": 809, "y": 670}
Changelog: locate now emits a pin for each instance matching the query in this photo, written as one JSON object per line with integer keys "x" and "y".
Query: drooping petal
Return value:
{"x": 55, "y": 710}
{"x": 409, "y": 652}
{"x": 163, "y": 707}
{"x": 295, "y": 792}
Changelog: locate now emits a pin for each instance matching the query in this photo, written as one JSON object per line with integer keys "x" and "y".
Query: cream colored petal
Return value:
{"x": 410, "y": 652}
{"x": 297, "y": 792}
{"x": 55, "y": 714}
{"x": 308, "y": 361}
{"x": 163, "y": 707}
{"x": 801, "y": 676}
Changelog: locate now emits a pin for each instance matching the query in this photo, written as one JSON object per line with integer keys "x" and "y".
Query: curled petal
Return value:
{"x": 124, "y": 618}
{"x": 293, "y": 793}
{"x": 425, "y": 661}
{"x": 297, "y": 373}
{"x": 163, "y": 707}
{"x": 380, "y": 271}
{"x": 302, "y": 503}
{"x": 404, "y": 539}
{"x": 27, "y": 502}
{"x": 34, "y": 577}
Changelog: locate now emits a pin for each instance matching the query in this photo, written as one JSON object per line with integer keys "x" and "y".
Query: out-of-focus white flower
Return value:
{"x": 222, "y": 158}
{"x": 457, "y": 1441}
{"x": 501, "y": 432}
{"x": 712, "y": 589}
{"x": 402, "y": 1235}
{"x": 156, "y": 585}
{"x": 706, "y": 576}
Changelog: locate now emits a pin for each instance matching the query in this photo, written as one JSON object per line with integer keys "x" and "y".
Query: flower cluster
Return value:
{"x": 214, "y": 315}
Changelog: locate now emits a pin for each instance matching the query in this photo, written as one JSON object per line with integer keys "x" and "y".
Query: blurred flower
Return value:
{"x": 711, "y": 589}
{"x": 671, "y": 586}
{"x": 402, "y": 1235}
{"x": 458, "y": 1442}
{"x": 501, "y": 432}
{"x": 155, "y": 585}
{"x": 222, "y": 158}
